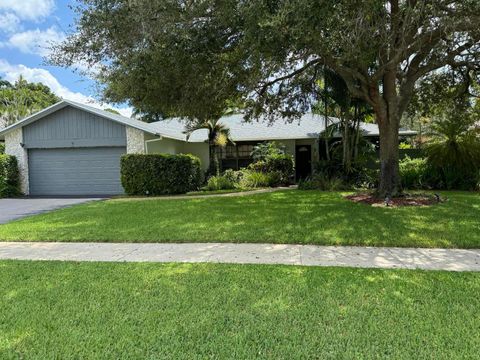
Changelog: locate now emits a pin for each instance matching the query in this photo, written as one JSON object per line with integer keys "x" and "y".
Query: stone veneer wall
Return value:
{"x": 135, "y": 141}
{"x": 13, "y": 140}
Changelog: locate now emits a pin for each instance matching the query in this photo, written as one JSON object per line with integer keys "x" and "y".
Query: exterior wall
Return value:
{"x": 135, "y": 141}
{"x": 172, "y": 146}
{"x": 201, "y": 150}
{"x": 70, "y": 127}
{"x": 289, "y": 146}
{"x": 13, "y": 141}
{"x": 164, "y": 145}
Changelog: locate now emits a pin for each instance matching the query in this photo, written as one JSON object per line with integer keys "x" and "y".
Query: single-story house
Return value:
{"x": 75, "y": 149}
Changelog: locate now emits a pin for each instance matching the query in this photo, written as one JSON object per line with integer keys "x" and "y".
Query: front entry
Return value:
{"x": 303, "y": 161}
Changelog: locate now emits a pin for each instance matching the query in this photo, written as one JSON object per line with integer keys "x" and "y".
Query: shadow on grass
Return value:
{"x": 301, "y": 217}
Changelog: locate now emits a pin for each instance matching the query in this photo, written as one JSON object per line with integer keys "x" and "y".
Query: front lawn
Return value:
{"x": 189, "y": 311}
{"x": 293, "y": 216}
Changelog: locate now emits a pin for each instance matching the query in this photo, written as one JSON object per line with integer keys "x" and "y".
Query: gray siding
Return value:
{"x": 80, "y": 171}
{"x": 70, "y": 127}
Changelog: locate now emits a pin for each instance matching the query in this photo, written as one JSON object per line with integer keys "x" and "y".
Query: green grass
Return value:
{"x": 303, "y": 217}
{"x": 189, "y": 311}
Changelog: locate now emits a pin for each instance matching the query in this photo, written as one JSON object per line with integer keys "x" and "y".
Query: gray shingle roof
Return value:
{"x": 309, "y": 126}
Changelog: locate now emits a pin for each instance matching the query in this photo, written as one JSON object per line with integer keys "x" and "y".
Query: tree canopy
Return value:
{"x": 189, "y": 57}
{"x": 22, "y": 98}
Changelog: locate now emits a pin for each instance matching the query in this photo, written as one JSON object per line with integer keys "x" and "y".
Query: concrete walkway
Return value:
{"x": 307, "y": 255}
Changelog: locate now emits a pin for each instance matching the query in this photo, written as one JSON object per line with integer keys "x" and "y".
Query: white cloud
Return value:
{"x": 28, "y": 9}
{"x": 9, "y": 22}
{"x": 36, "y": 42}
{"x": 12, "y": 72}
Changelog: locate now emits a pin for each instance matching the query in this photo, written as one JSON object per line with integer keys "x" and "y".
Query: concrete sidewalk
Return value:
{"x": 306, "y": 255}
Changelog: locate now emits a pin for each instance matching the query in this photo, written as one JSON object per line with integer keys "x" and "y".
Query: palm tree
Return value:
{"x": 218, "y": 136}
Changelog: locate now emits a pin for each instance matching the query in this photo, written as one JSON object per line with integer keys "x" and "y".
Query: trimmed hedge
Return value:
{"x": 160, "y": 174}
{"x": 9, "y": 176}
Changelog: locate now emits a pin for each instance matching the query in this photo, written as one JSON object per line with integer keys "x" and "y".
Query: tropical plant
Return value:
{"x": 218, "y": 136}
{"x": 22, "y": 99}
{"x": 454, "y": 148}
{"x": 219, "y": 182}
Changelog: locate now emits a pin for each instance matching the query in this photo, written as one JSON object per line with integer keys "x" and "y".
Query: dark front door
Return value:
{"x": 303, "y": 161}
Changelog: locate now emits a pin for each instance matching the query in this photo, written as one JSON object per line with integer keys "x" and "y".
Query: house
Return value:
{"x": 75, "y": 149}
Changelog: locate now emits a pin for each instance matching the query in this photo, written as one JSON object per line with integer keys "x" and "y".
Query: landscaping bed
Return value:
{"x": 406, "y": 200}
{"x": 184, "y": 311}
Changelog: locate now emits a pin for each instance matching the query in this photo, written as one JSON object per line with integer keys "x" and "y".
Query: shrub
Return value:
{"x": 160, "y": 174}
{"x": 219, "y": 183}
{"x": 323, "y": 182}
{"x": 2, "y": 148}
{"x": 233, "y": 176}
{"x": 281, "y": 164}
{"x": 266, "y": 149}
{"x": 413, "y": 173}
{"x": 9, "y": 176}
{"x": 256, "y": 179}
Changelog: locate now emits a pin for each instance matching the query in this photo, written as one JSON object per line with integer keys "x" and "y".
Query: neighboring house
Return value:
{"x": 75, "y": 149}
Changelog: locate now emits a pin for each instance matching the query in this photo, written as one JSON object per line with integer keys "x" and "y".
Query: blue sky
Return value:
{"x": 27, "y": 29}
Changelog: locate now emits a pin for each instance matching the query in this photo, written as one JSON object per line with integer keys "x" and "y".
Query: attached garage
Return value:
{"x": 78, "y": 171}
{"x": 72, "y": 149}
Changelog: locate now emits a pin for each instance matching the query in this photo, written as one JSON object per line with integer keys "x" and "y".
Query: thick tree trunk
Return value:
{"x": 390, "y": 185}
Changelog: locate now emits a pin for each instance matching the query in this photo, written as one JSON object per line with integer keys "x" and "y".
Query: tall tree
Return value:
{"x": 165, "y": 58}
{"x": 22, "y": 98}
{"x": 380, "y": 48}
{"x": 187, "y": 57}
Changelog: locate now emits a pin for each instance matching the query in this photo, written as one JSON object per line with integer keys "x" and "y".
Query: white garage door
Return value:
{"x": 75, "y": 171}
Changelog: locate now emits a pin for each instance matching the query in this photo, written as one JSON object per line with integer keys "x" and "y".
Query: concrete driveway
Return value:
{"x": 12, "y": 209}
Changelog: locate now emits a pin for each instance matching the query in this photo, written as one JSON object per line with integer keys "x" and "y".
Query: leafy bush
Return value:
{"x": 2, "y": 148}
{"x": 256, "y": 179}
{"x": 413, "y": 173}
{"x": 281, "y": 164}
{"x": 323, "y": 182}
{"x": 267, "y": 149}
{"x": 9, "y": 176}
{"x": 220, "y": 182}
{"x": 160, "y": 174}
{"x": 233, "y": 176}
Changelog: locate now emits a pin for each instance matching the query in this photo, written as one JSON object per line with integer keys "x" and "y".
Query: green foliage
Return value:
{"x": 266, "y": 149}
{"x": 23, "y": 98}
{"x": 218, "y": 135}
{"x": 413, "y": 173}
{"x": 9, "y": 176}
{"x": 219, "y": 182}
{"x": 324, "y": 183}
{"x": 113, "y": 111}
{"x": 281, "y": 164}
{"x": 160, "y": 174}
{"x": 257, "y": 179}
{"x": 454, "y": 151}
{"x": 2, "y": 148}
{"x": 270, "y": 157}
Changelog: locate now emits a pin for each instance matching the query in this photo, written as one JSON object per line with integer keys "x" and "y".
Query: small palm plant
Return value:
{"x": 454, "y": 148}
{"x": 218, "y": 136}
